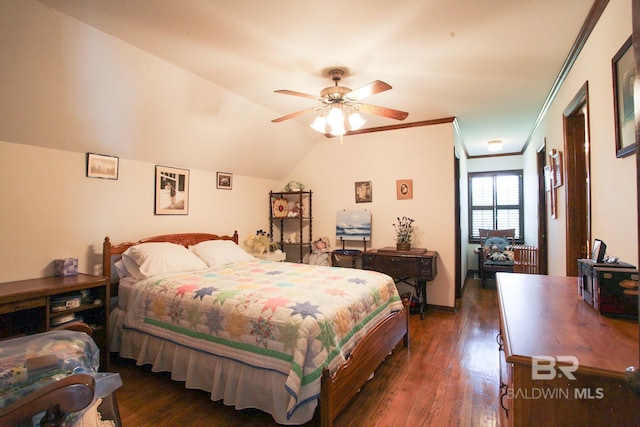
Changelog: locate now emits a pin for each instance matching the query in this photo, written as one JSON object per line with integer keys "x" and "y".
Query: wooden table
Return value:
{"x": 586, "y": 355}
{"x": 417, "y": 263}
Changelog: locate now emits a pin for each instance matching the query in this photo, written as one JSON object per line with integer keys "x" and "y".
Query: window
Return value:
{"x": 495, "y": 202}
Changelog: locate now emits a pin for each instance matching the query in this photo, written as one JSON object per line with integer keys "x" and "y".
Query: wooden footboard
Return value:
{"x": 338, "y": 389}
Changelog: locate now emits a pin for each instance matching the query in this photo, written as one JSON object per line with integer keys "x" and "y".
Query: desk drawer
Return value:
{"x": 398, "y": 266}
{"x": 12, "y": 307}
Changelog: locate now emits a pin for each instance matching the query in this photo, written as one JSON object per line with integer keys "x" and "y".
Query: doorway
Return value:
{"x": 541, "y": 161}
{"x": 577, "y": 183}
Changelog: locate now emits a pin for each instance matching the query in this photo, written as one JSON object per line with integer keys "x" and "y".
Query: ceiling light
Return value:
{"x": 494, "y": 145}
{"x": 356, "y": 121}
{"x": 338, "y": 121}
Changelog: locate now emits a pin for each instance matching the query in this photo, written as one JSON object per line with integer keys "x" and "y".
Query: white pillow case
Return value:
{"x": 121, "y": 269}
{"x": 220, "y": 252}
{"x": 159, "y": 258}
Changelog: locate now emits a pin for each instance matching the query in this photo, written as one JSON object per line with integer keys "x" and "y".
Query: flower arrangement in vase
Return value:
{"x": 259, "y": 243}
{"x": 404, "y": 230}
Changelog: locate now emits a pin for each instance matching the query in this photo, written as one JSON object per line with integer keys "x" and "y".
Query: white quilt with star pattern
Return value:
{"x": 291, "y": 318}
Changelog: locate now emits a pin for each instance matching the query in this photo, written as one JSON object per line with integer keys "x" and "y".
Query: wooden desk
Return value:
{"x": 545, "y": 316}
{"x": 25, "y": 307}
{"x": 417, "y": 263}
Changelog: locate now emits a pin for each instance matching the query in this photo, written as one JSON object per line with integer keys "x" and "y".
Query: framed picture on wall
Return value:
{"x": 224, "y": 181}
{"x": 364, "y": 192}
{"x": 557, "y": 172}
{"x": 404, "y": 189}
{"x": 101, "y": 166}
{"x": 623, "y": 77}
{"x": 171, "y": 191}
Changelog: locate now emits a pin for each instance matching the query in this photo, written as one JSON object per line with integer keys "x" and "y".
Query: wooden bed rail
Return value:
{"x": 525, "y": 259}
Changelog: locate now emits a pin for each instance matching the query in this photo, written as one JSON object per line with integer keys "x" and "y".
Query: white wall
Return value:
{"x": 49, "y": 209}
{"x": 613, "y": 180}
{"x": 423, "y": 154}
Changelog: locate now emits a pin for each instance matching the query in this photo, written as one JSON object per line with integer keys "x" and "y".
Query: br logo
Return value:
{"x": 547, "y": 367}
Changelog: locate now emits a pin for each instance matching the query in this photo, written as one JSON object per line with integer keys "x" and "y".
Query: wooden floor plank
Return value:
{"x": 448, "y": 377}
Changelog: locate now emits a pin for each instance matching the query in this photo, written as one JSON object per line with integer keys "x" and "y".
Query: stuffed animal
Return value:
{"x": 320, "y": 252}
{"x": 295, "y": 211}
{"x": 294, "y": 186}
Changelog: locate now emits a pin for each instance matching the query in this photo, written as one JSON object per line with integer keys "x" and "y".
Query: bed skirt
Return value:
{"x": 232, "y": 382}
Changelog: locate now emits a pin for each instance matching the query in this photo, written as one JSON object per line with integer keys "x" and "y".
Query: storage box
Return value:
{"x": 585, "y": 275}
{"x": 615, "y": 291}
{"x": 66, "y": 266}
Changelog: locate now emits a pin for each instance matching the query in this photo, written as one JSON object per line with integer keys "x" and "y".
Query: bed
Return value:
{"x": 279, "y": 337}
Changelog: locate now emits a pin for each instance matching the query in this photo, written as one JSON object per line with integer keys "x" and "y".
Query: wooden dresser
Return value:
{"x": 548, "y": 335}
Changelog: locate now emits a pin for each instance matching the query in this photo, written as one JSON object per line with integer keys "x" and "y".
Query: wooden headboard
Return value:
{"x": 111, "y": 253}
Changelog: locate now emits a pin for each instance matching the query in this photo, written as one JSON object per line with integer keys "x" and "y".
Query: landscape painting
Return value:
{"x": 353, "y": 225}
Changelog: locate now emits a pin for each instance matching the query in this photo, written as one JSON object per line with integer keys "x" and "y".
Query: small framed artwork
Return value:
{"x": 404, "y": 189}
{"x": 556, "y": 167}
{"x": 224, "y": 180}
{"x": 547, "y": 178}
{"x": 279, "y": 207}
{"x": 101, "y": 166}
{"x": 364, "y": 193}
{"x": 623, "y": 77}
{"x": 598, "y": 251}
{"x": 172, "y": 191}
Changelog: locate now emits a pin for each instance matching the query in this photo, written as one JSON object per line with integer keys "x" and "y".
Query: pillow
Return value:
{"x": 133, "y": 269}
{"x": 497, "y": 241}
{"x": 220, "y": 252}
{"x": 158, "y": 258}
{"x": 503, "y": 256}
{"x": 121, "y": 269}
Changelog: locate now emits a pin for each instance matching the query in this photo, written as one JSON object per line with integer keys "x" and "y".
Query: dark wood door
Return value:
{"x": 577, "y": 189}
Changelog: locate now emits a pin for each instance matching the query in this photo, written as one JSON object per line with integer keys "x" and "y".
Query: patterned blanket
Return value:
{"x": 31, "y": 362}
{"x": 295, "y": 319}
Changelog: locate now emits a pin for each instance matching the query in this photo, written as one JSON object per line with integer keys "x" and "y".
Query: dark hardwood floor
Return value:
{"x": 448, "y": 377}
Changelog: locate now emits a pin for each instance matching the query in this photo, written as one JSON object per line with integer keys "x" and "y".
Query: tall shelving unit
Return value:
{"x": 282, "y": 225}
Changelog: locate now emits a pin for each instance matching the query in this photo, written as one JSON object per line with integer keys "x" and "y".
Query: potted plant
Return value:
{"x": 404, "y": 230}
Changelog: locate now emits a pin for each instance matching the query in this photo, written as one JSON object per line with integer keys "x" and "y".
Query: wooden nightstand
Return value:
{"x": 25, "y": 307}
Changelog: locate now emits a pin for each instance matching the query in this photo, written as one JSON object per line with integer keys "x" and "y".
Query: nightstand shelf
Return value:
{"x": 26, "y": 307}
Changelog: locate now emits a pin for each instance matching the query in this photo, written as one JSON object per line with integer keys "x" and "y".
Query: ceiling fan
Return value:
{"x": 343, "y": 105}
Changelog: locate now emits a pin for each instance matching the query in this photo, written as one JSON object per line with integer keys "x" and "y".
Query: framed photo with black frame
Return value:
{"x": 598, "y": 251}
{"x": 224, "y": 181}
{"x": 364, "y": 192}
{"x": 623, "y": 77}
{"x": 171, "y": 191}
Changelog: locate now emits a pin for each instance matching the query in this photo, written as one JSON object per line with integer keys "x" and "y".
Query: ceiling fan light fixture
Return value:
{"x": 494, "y": 145}
{"x": 319, "y": 124}
{"x": 356, "y": 121}
{"x": 335, "y": 116}
{"x": 338, "y": 130}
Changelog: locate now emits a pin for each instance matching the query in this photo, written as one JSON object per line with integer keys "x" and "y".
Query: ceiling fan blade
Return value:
{"x": 294, "y": 93}
{"x": 369, "y": 89}
{"x": 293, "y": 115}
{"x": 382, "y": 111}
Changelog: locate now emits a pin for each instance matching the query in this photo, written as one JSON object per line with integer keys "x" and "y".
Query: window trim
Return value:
{"x": 520, "y": 206}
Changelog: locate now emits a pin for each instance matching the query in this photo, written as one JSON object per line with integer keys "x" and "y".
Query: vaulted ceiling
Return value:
{"x": 489, "y": 63}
